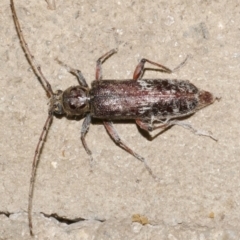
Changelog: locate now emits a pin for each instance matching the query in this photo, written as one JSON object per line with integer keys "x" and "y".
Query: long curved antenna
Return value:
{"x": 35, "y": 66}
{"x": 34, "y": 168}
{"x": 37, "y": 70}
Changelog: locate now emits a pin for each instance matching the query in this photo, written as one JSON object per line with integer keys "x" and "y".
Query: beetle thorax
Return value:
{"x": 75, "y": 100}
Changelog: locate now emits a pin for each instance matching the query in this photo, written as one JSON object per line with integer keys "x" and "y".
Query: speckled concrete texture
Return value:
{"x": 198, "y": 196}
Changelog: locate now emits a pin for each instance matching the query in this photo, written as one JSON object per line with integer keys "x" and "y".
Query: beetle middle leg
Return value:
{"x": 138, "y": 73}
{"x": 139, "y": 70}
{"x": 114, "y": 135}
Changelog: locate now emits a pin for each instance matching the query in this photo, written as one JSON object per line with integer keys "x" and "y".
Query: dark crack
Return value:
{"x": 68, "y": 220}
{"x": 7, "y": 214}
{"x": 63, "y": 219}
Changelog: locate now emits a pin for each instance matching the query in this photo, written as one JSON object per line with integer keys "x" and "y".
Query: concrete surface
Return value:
{"x": 199, "y": 193}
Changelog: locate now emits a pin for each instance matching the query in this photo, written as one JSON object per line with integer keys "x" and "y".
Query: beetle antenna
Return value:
{"x": 34, "y": 167}
{"x": 35, "y": 66}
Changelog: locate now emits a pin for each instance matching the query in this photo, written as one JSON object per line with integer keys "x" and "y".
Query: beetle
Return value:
{"x": 147, "y": 101}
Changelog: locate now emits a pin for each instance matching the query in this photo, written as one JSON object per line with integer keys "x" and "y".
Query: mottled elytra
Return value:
{"x": 152, "y": 103}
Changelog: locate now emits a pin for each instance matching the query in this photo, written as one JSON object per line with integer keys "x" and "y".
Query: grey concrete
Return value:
{"x": 198, "y": 196}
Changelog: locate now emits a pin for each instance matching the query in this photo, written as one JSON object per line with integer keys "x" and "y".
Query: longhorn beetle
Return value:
{"x": 147, "y": 101}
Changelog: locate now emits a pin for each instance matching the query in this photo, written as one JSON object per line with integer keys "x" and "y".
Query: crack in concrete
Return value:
{"x": 7, "y": 214}
{"x": 63, "y": 219}
{"x": 66, "y": 220}
{"x": 59, "y": 218}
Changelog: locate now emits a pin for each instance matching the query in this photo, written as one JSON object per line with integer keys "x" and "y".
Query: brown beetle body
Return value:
{"x": 146, "y": 99}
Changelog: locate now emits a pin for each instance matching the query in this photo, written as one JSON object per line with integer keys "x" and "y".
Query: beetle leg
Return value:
{"x": 138, "y": 73}
{"x": 100, "y": 61}
{"x": 114, "y": 135}
{"x": 149, "y": 127}
{"x": 80, "y": 77}
{"x": 77, "y": 73}
{"x": 192, "y": 129}
{"x": 84, "y": 130}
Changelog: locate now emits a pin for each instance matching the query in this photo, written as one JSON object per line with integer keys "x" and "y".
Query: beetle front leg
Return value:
{"x": 80, "y": 77}
{"x": 77, "y": 73}
{"x": 84, "y": 130}
{"x": 114, "y": 135}
{"x": 100, "y": 61}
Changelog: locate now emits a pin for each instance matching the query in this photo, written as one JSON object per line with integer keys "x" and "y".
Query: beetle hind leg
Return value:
{"x": 149, "y": 127}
